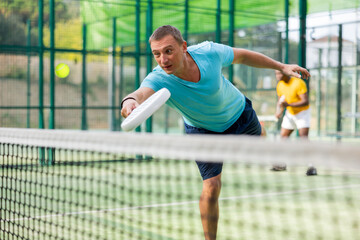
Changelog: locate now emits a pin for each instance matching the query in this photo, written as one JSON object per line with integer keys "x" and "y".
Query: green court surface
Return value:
{"x": 158, "y": 199}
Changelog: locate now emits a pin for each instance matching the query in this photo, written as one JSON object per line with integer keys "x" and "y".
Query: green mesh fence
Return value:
{"x": 247, "y": 14}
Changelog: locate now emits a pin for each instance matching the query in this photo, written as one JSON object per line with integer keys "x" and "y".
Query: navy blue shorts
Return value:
{"x": 247, "y": 124}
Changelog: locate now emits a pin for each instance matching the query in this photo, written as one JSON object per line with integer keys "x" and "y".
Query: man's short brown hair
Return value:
{"x": 165, "y": 30}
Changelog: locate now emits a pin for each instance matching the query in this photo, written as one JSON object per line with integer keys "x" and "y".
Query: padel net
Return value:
{"x": 111, "y": 185}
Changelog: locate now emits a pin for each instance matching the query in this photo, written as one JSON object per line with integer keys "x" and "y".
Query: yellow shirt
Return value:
{"x": 292, "y": 91}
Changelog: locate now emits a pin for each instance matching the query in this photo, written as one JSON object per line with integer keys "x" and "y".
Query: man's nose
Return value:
{"x": 164, "y": 59}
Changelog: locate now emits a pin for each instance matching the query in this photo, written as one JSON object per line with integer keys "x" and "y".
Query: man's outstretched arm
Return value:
{"x": 131, "y": 101}
{"x": 259, "y": 60}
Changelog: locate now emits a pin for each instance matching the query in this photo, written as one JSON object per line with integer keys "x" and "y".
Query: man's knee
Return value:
{"x": 211, "y": 188}
{"x": 263, "y": 130}
{"x": 304, "y": 132}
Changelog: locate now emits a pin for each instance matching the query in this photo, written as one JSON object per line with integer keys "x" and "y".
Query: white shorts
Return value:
{"x": 300, "y": 120}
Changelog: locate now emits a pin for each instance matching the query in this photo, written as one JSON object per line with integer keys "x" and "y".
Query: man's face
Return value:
{"x": 169, "y": 54}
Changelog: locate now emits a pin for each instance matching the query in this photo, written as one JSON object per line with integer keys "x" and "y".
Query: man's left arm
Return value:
{"x": 258, "y": 60}
{"x": 304, "y": 100}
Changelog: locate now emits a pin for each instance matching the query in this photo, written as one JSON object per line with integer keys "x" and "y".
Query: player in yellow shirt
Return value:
{"x": 293, "y": 95}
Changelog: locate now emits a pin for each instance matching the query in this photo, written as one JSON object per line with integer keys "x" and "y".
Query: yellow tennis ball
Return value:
{"x": 62, "y": 70}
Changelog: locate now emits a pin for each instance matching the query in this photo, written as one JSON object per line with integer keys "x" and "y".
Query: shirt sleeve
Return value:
{"x": 150, "y": 82}
{"x": 302, "y": 87}
{"x": 225, "y": 53}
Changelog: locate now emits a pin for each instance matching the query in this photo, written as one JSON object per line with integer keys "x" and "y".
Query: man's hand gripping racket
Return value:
{"x": 145, "y": 110}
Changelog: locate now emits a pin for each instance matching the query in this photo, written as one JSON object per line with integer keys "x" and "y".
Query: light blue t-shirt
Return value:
{"x": 213, "y": 103}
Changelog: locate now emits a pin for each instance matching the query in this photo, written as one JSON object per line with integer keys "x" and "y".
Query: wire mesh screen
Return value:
{"x": 97, "y": 39}
{"x": 97, "y": 185}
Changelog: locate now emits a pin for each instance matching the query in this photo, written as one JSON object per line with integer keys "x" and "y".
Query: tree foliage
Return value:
{"x": 13, "y": 31}
{"x": 29, "y": 10}
{"x": 14, "y": 15}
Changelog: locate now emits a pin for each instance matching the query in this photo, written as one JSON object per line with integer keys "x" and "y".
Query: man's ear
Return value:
{"x": 184, "y": 46}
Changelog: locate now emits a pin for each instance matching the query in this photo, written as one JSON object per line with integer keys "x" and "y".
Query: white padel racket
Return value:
{"x": 145, "y": 110}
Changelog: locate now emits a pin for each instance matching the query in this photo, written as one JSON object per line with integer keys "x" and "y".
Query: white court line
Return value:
{"x": 183, "y": 203}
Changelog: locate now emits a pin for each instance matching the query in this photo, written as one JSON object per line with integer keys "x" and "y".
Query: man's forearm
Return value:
{"x": 140, "y": 95}
{"x": 299, "y": 104}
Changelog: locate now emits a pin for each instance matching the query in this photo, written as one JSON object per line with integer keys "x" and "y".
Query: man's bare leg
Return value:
{"x": 285, "y": 133}
{"x": 304, "y": 132}
{"x": 263, "y": 130}
{"x": 280, "y": 166}
{"x": 209, "y": 206}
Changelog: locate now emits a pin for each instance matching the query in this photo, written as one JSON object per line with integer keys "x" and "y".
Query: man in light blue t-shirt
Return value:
{"x": 208, "y": 102}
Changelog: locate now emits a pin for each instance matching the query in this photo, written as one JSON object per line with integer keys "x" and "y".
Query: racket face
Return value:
{"x": 146, "y": 109}
{"x": 282, "y": 99}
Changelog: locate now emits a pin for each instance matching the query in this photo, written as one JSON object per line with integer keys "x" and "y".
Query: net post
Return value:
{"x": 286, "y": 58}
{"x": 231, "y": 33}
{"x": 137, "y": 49}
{"x": 41, "y": 64}
{"x": 149, "y": 26}
{"x": 302, "y": 33}
{"x": 84, "y": 125}
{"x": 218, "y": 22}
{"x": 121, "y": 83}
{"x": 339, "y": 84}
{"x": 186, "y": 20}
{"x": 51, "y": 157}
{"x": 46, "y": 156}
{"x": 28, "y": 75}
{"x": 41, "y": 155}
{"x": 112, "y": 80}
{"x": 52, "y": 65}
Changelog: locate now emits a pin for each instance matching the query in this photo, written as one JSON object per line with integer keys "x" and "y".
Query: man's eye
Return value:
{"x": 168, "y": 51}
